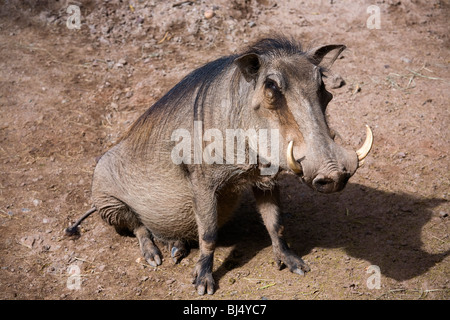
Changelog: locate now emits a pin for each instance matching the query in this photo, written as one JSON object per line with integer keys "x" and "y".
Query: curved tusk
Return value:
{"x": 292, "y": 164}
{"x": 365, "y": 148}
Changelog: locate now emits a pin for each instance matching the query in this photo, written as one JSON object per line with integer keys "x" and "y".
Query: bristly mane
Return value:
{"x": 278, "y": 46}
{"x": 198, "y": 83}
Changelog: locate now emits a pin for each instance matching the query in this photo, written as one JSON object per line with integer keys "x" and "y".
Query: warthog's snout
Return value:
{"x": 329, "y": 174}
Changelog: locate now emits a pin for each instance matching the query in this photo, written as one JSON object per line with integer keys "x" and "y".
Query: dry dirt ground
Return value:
{"x": 67, "y": 95}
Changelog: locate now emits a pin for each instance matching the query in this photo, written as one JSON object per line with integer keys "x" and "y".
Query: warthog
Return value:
{"x": 139, "y": 188}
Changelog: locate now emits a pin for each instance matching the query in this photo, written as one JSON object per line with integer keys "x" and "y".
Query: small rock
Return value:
{"x": 27, "y": 242}
{"x": 106, "y": 29}
{"x": 354, "y": 88}
{"x": 55, "y": 247}
{"x": 92, "y": 28}
{"x": 104, "y": 41}
{"x": 140, "y": 260}
{"x": 185, "y": 262}
{"x": 209, "y": 14}
{"x": 337, "y": 81}
{"x": 401, "y": 154}
{"x": 405, "y": 60}
{"x": 170, "y": 281}
{"x": 37, "y": 202}
{"x": 443, "y": 214}
{"x": 252, "y": 24}
{"x": 353, "y": 286}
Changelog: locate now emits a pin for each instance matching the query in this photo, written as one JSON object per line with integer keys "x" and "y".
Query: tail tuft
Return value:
{"x": 73, "y": 230}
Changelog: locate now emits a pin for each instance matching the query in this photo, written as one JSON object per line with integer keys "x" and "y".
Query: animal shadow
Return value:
{"x": 384, "y": 228}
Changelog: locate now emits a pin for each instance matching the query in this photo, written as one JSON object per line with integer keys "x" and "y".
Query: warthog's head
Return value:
{"x": 289, "y": 94}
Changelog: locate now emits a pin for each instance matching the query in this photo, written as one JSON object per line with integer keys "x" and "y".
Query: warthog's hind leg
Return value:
{"x": 149, "y": 250}
{"x": 125, "y": 221}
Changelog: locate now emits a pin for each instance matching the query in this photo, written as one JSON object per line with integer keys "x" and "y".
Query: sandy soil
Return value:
{"x": 67, "y": 95}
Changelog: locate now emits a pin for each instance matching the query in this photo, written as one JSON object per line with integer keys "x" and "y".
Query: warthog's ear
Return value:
{"x": 326, "y": 55}
{"x": 249, "y": 65}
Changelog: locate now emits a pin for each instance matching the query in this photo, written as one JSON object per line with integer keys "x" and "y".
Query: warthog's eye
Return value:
{"x": 272, "y": 90}
{"x": 272, "y": 85}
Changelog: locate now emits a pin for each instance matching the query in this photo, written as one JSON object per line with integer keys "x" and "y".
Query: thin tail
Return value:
{"x": 73, "y": 230}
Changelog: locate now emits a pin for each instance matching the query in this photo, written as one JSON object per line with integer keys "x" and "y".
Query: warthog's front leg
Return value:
{"x": 206, "y": 216}
{"x": 267, "y": 203}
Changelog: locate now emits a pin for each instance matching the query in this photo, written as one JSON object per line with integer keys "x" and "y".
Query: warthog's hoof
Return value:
{"x": 178, "y": 250}
{"x": 294, "y": 263}
{"x": 204, "y": 283}
{"x": 203, "y": 279}
{"x": 152, "y": 255}
{"x": 149, "y": 249}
